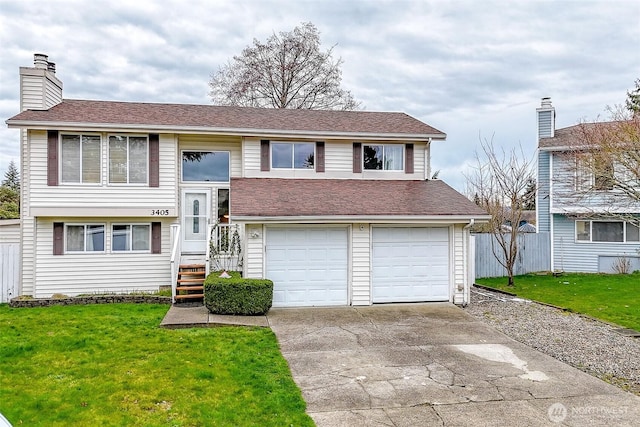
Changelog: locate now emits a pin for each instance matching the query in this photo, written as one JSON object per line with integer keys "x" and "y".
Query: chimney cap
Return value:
{"x": 40, "y": 60}
{"x": 51, "y": 66}
{"x": 546, "y": 102}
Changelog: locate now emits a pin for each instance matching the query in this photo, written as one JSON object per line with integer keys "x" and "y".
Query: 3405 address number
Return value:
{"x": 159, "y": 212}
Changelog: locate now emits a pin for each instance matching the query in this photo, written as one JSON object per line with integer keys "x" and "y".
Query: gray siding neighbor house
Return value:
{"x": 588, "y": 233}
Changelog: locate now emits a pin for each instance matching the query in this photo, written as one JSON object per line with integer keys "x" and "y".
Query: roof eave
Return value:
{"x": 272, "y": 133}
{"x": 387, "y": 219}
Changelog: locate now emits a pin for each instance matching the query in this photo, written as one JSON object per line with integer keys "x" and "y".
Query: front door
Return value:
{"x": 195, "y": 219}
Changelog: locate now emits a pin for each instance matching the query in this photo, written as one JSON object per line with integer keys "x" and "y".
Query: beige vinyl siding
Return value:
{"x": 214, "y": 143}
{"x": 361, "y": 265}
{"x": 101, "y": 195}
{"x": 338, "y": 163}
{"x": 52, "y": 94}
{"x": 254, "y": 253}
{"x": 73, "y": 274}
{"x": 459, "y": 273}
{"x": 28, "y": 256}
{"x": 39, "y": 89}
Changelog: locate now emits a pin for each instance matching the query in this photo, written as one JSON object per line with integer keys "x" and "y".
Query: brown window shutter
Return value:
{"x": 156, "y": 237}
{"x": 154, "y": 160}
{"x": 52, "y": 157}
{"x": 357, "y": 157}
{"x": 408, "y": 158}
{"x": 58, "y": 238}
{"x": 320, "y": 156}
{"x": 265, "y": 159}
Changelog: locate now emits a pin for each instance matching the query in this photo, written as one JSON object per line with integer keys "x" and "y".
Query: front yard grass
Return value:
{"x": 611, "y": 297}
{"x": 113, "y": 365}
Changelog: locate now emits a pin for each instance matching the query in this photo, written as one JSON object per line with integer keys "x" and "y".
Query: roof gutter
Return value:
{"x": 86, "y": 126}
{"x": 337, "y": 219}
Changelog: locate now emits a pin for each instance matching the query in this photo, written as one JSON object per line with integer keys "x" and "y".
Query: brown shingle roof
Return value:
{"x": 577, "y": 135}
{"x": 271, "y": 197}
{"x": 226, "y": 118}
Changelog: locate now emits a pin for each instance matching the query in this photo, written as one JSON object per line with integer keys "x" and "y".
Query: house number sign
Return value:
{"x": 159, "y": 212}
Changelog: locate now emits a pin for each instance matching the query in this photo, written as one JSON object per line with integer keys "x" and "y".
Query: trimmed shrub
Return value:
{"x": 237, "y": 295}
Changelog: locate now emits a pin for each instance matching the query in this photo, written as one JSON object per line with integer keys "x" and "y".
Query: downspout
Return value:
{"x": 465, "y": 251}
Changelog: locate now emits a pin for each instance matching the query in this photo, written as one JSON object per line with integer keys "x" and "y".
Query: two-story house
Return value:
{"x": 586, "y": 216}
{"x": 335, "y": 207}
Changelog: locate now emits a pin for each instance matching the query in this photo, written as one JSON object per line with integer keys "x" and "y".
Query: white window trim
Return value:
{"x": 126, "y": 184}
{"x": 383, "y": 148}
{"x": 85, "y": 225}
{"x": 591, "y": 241}
{"x": 131, "y": 224}
{"x": 293, "y": 155}
{"x": 205, "y": 182}
{"x": 61, "y": 166}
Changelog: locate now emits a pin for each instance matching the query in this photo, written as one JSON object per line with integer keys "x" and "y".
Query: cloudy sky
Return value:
{"x": 473, "y": 69}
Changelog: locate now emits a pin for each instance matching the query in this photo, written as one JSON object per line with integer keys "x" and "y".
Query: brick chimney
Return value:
{"x": 40, "y": 89}
{"x": 546, "y": 119}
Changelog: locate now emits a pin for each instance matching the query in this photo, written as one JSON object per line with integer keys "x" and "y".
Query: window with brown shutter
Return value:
{"x": 357, "y": 157}
{"x": 265, "y": 160}
{"x": 408, "y": 158}
{"x": 52, "y": 157}
{"x": 320, "y": 156}
{"x": 154, "y": 160}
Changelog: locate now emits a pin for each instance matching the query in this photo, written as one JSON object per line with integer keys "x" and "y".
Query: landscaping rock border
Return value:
{"x": 21, "y": 302}
{"x": 585, "y": 343}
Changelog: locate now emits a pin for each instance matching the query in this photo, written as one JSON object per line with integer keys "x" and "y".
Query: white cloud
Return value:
{"x": 465, "y": 67}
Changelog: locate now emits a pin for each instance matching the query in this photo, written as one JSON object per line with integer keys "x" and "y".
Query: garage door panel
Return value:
{"x": 410, "y": 264}
{"x": 308, "y": 266}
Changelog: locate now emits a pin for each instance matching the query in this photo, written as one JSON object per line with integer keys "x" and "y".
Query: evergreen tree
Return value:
{"x": 12, "y": 177}
{"x": 633, "y": 99}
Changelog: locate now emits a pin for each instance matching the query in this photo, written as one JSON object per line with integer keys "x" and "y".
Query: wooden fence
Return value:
{"x": 534, "y": 254}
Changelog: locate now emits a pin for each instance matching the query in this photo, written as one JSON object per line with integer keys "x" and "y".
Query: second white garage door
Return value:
{"x": 410, "y": 264}
{"x": 308, "y": 266}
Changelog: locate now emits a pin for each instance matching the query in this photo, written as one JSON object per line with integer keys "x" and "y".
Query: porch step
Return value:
{"x": 190, "y": 283}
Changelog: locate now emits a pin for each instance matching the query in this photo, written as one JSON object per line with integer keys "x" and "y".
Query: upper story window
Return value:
{"x": 128, "y": 159}
{"x": 383, "y": 157}
{"x": 205, "y": 166}
{"x": 80, "y": 158}
{"x": 84, "y": 237}
{"x": 606, "y": 231}
{"x": 594, "y": 174}
{"x": 292, "y": 155}
{"x": 130, "y": 237}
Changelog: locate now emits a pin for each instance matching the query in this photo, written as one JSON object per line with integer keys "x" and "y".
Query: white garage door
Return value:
{"x": 410, "y": 264}
{"x": 308, "y": 266}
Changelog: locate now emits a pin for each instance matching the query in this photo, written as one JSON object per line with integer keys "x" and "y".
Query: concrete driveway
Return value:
{"x": 434, "y": 365}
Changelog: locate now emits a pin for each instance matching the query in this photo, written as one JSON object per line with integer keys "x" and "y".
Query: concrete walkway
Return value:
{"x": 427, "y": 365}
{"x": 197, "y": 315}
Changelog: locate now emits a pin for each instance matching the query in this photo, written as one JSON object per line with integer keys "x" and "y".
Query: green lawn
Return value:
{"x": 112, "y": 365}
{"x": 611, "y": 297}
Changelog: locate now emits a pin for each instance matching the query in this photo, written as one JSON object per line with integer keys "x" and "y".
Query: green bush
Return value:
{"x": 237, "y": 295}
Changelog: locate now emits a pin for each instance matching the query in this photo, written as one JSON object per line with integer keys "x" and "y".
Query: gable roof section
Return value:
{"x": 282, "y": 198}
{"x": 224, "y": 119}
{"x": 574, "y": 136}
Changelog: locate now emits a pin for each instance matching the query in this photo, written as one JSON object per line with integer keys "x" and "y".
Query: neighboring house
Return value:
{"x": 586, "y": 234}
{"x": 335, "y": 207}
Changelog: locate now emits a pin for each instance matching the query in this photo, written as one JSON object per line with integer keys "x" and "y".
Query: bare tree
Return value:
{"x": 287, "y": 71}
{"x": 498, "y": 183}
{"x": 604, "y": 159}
